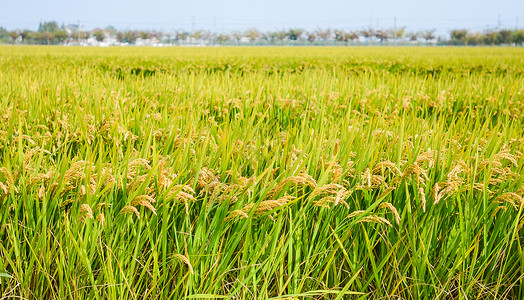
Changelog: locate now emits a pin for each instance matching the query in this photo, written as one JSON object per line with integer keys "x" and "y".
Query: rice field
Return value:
{"x": 261, "y": 173}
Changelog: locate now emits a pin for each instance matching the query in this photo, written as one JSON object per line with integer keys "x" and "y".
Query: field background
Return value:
{"x": 257, "y": 173}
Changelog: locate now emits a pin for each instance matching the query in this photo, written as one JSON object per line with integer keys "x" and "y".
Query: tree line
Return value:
{"x": 50, "y": 33}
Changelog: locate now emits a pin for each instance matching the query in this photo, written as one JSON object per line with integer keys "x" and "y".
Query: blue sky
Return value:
{"x": 229, "y": 15}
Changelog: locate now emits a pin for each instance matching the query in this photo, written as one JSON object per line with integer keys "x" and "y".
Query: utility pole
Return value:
{"x": 395, "y": 29}
{"x": 78, "y": 31}
{"x": 517, "y": 24}
{"x": 498, "y": 23}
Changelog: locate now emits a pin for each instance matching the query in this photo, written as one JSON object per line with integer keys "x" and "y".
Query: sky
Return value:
{"x": 228, "y": 15}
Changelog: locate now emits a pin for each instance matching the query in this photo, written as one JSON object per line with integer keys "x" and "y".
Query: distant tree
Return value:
{"x": 237, "y": 35}
{"x": 14, "y": 35}
{"x": 26, "y": 35}
{"x": 324, "y": 34}
{"x": 181, "y": 35}
{"x": 311, "y": 36}
{"x": 48, "y": 37}
{"x": 111, "y": 30}
{"x": 489, "y": 37}
{"x": 281, "y": 35}
{"x": 196, "y": 35}
{"x": 345, "y": 36}
{"x": 400, "y": 33}
{"x": 459, "y": 36}
{"x": 382, "y": 35}
{"x": 37, "y": 38}
{"x": 272, "y": 36}
{"x": 4, "y": 36}
{"x": 206, "y": 35}
{"x": 340, "y": 35}
{"x": 295, "y": 33}
{"x": 504, "y": 36}
{"x": 130, "y": 36}
{"x": 99, "y": 35}
{"x": 518, "y": 37}
{"x": 156, "y": 35}
{"x": 429, "y": 35}
{"x": 473, "y": 38}
{"x": 84, "y": 35}
{"x": 144, "y": 35}
{"x": 353, "y": 35}
{"x": 368, "y": 33}
{"x": 48, "y": 33}
{"x": 395, "y": 33}
{"x": 60, "y": 36}
{"x": 412, "y": 36}
{"x": 265, "y": 36}
{"x": 120, "y": 37}
{"x": 252, "y": 34}
{"x": 48, "y": 27}
{"x": 222, "y": 38}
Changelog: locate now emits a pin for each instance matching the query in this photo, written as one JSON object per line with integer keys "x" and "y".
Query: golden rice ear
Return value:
{"x": 374, "y": 219}
{"x": 85, "y": 212}
{"x": 101, "y": 205}
{"x": 7, "y": 175}
{"x": 422, "y": 195}
{"x": 393, "y": 209}
{"x": 146, "y": 198}
{"x": 145, "y": 204}
{"x": 340, "y": 197}
{"x": 130, "y": 210}
{"x": 263, "y": 207}
{"x": 521, "y": 190}
{"x": 504, "y": 154}
{"x": 83, "y": 190}
{"x": 367, "y": 177}
{"x": 3, "y": 188}
{"x": 521, "y": 224}
{"x": 436, "y": 189}
{"x": 268, "y": 205}
{"x": 139, "y": 162}
{"x": 100, "y": 218}
{"x": 499, "y": 208}
{"x": 182, "y": 195}
{"x": 328, "y": 189}
{"x": 382, "y": 166}
{"x": 185, "y": 260}
{"x": 237, "y": 213}
{"x": 512, "y": 198}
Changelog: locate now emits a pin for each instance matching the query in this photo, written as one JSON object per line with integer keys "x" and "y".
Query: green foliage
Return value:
{"x": 459, "y": 34}
{"x": 51, "y": 27}
{"x": 49, "y": 33}
{"x": 99, "y": 35}
{"x": 518, "y": 37}
{"x": 344, "y": 36}
{"x": 295, "y": 33}
{"x": 4, "y": 35}
{"x": 488, "y": 37}
{"x": 261, "y": 173}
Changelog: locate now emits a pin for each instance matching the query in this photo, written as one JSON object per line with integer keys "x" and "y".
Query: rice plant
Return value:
{"x": 261, "y": 173}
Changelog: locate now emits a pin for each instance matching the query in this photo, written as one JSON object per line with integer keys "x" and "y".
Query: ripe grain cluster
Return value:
{"x": 261, "y": 173}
